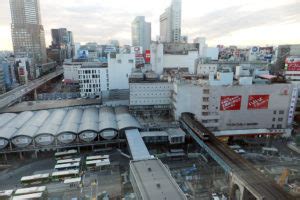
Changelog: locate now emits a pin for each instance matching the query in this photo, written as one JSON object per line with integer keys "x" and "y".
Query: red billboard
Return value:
{"x": 230, "y": 103}
{"x": 256, "y": 102}
{"x": 147, "y": 56}
{"x": 292, "y": 63}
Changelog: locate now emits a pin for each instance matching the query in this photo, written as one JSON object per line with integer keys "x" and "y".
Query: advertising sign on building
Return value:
{"x": 256, "y": 102}
{"x": 230, "y": 103}
{"x": 147, "y": 56}
{"x": 292, "y": 63}
{"x": 137, "y": 50}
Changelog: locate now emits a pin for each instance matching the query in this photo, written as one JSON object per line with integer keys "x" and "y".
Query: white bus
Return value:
{"x": 97, "y": 164}
{"x": 35, "y": 179}
{"x": 32, "y": 196}
{"x": 65, "y": 161}
{"x": 97, "y": 157}
{"x": 67, "y": 166}
{"x": 62, "y": 175}
{"x": 65, "y": 154}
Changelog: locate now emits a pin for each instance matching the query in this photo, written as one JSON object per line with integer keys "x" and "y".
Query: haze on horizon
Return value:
{"x": 228, "y": 22}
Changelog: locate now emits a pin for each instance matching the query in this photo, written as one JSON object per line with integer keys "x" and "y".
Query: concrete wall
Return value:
{"x": 153, "y": 93}
{"x": 119, "y": 69}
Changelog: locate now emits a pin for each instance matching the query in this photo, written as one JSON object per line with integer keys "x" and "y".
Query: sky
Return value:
{"x": 227, "y": 22}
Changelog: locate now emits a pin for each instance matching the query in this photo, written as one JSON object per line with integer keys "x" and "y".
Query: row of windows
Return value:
{"x": 151, "y": 94}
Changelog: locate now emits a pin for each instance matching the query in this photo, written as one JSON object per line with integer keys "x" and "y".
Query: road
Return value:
{"x": 12, "y": 96}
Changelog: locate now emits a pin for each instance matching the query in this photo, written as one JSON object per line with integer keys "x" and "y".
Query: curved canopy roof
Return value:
{"x": 6, "y": 117}
{"x": 90, "y": 120}
{"x": 124, "y": 119}
{"x": 31, "y": 127}
{"x": 52, "y": 124}
{"x": 71, "y": 122}
{"x": 9, "y": 129}
{"x": 107, "y": 119}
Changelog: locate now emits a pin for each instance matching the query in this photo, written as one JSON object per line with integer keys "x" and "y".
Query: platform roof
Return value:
{"x": 107, "y": 119}
{"x": 71, "y": 122}
{"x": 52, "y": 124}
{"x": 31, "y": 127}
{"x": 137, "y": 146}
{"x": 89, "y": 120}
{"x": 124, "y": 119}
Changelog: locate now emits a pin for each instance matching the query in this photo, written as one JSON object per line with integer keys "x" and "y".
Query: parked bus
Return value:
{"x": 67, "y": 166}
{"x": 97, "y": 157}
{"x": 35, "y": 179}
{"x": 6, "y": 194}
{"x": 65, "y": 161}
{"x": 62, "y": 175}
{"x": 32, "y": 196}
{"x": 65, "y": 154}
{"x": 97, "y": 164}
{"x": 31, "y": 193}
{"x": 270, "y": 151}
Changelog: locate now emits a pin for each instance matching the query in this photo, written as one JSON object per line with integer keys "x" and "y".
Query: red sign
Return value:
{"x": 147, "y": 56}
{"x": 230, "y": 103}
{"x": 293, "y": 63}
{"x": 256, "y": 102}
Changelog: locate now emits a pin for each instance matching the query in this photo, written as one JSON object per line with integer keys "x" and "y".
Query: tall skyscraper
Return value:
{"x": 141, "y": 33}
{"x": 28, "y": 35}
{"x": 170, "y": 23}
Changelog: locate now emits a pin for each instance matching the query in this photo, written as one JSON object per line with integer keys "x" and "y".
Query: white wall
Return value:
{"x": 119, "y": 69}
{"x": 71, "y": 71}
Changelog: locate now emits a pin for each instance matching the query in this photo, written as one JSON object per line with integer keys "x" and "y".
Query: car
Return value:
{"x": 215, "y": 196}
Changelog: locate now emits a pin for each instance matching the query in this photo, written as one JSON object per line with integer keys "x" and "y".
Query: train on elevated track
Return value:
{"x": 189, "y": 120}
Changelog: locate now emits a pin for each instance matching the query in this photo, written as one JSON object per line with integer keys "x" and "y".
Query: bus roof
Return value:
{"x": 98, "y": 162}
{"x": 235, "y": 146}
{"x": 73, "y": 180}
{"x": 269, "y": 149}
{"x": 6, "y": 193}
{"x": 72, "y": 151}
{"x": 34, "y": 177}
{"x": 67, "y": 165}
{"x": 66, "y": 172}
{"x": 30, "y": 190}
{"x": 69, "y": 161}
{"x": 29, "y": 196}
{"x": 97, "y": 157}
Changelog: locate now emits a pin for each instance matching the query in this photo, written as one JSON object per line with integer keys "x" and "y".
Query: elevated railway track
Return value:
{"x": 258, "y": 185}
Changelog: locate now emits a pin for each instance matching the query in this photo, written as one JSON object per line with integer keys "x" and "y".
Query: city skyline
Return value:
{"x": 233, "y": 22}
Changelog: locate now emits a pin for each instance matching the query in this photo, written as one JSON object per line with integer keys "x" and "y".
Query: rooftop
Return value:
{"x": 155, "y": 181}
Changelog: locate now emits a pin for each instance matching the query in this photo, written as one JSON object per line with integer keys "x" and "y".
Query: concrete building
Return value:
{"x": 147, "y": 91}
{"x": 170, "y": 23}
{"x": 141, "y": 33}
{"x": 119, "y": 69}
{"x": 71, "y": 75}
{"x": 233, "y": 107}
{"x": 93, "y": 79}
{"x": 164, "y": 56}
{"x": 150, "y": 179}
{"x": 27, "y": 32}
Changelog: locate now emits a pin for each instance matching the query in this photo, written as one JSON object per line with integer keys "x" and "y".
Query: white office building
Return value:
{"x": 141, "y": 33}
{"x": 119, "y": 68}
{"x": 93, "y": 79}
{"x": 170, "y": 23}
{"x": 181, "y": 56}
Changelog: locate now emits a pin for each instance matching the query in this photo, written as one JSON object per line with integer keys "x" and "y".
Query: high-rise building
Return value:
{"x": 62, "y": 45}
{"x": 28, "y": 35}
{"x": 141, "y": 33}
{"x": 170, "y": 23}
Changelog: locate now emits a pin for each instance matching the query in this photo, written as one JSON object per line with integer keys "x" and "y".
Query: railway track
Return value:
{"x": 264, "y": 186}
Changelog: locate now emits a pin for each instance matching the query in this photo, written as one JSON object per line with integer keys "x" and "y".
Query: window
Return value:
{"x": 274, "y": 119}
{"x": 274, "y": 112}
{"x": 280, "y": 119}
{"x": 281, "y": 112}
{"x": 279, "y": 126}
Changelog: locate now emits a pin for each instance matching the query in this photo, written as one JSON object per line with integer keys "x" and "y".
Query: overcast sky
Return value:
{"x": 236, "y": 22}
